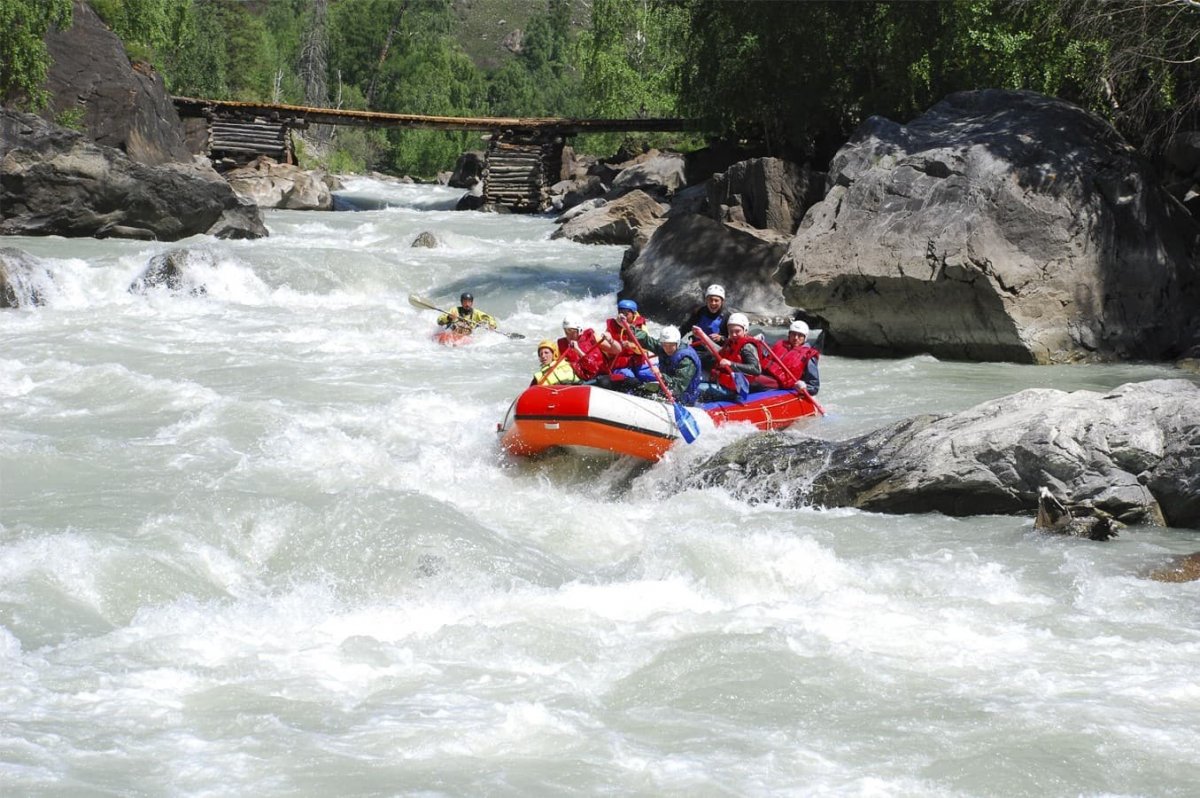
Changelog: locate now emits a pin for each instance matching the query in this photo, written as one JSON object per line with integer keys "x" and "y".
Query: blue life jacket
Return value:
{"x": 711, "y": 323}
{"x": 668, "y": 365}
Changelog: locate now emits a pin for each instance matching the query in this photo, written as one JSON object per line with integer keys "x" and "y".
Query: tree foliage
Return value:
{"x": 24, "y": 61}
{"x": 803, "y": 75}
{"x": 799, "y": 76}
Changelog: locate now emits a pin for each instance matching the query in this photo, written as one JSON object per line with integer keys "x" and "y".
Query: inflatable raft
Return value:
{"x": 591, "y": 419}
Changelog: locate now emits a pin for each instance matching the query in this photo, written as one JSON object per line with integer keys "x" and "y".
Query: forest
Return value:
{"x": 788, "y": 78}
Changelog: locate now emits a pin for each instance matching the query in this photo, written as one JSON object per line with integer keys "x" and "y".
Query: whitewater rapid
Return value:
{"x": 260, "y": 540}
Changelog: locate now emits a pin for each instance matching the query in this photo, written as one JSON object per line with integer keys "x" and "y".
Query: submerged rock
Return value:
{"x": 176, "y": 270}
{"x": 1185, "y": 568}
{"x": 1132, "y": 453}
{"x": 18, "y": 273}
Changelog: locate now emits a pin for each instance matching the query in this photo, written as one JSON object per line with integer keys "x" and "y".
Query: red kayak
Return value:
{"x": 452, "y": 337}
{"x": 584, "y": 417}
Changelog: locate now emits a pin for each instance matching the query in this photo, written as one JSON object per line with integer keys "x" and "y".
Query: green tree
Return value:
{"x": 25, "y": 62}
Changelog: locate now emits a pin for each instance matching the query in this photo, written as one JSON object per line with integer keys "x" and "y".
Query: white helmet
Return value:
{"x": 572, "y": 323}
{"x": 799, "y": 327}
{"x": 670, "y": 335}
{"x": 740, "y": 320}
{"x": 715, "y": 290}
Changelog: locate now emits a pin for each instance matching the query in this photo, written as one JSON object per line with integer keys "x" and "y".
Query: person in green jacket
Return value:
{"x": 465, "y": 318}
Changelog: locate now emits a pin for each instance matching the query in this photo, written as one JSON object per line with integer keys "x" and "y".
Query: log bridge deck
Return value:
{"x": 523, "y": 159}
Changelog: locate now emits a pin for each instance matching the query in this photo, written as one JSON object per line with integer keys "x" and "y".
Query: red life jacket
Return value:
{"x": 795, "y": 359}
{"x": 732, "y": 351}
{"x": 631, "y": 360}
{"x": 591, "y": 362}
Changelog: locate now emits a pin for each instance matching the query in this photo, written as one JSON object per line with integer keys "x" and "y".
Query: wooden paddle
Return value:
{"x": 684, "y": 420}
{"x": 418, "y": 302}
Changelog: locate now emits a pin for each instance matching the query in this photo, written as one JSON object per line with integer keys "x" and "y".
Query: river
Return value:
{"x": 260, "y": 540}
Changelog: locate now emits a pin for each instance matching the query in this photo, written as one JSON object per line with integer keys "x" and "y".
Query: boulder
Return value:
{"x": 468, "y": 170}
{"x": 426, "y": 240}
{"x": 771, "y": 193}
{"x": 615, "y": 222}
{"x": 472, "y": 200}
{"x": 999, "y": 225}
{"x": 687, "y": 253}
{"x": 176, "y": 270}
{"x": 268, "y": 184}
{"x": 55, "y": 182}
{"x": 1132, "y": 453}
{"x": 123, "y": 105}
{"x": 661, "y": 174}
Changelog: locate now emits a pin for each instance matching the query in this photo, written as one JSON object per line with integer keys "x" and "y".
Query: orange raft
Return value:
{"x": 587, "y": 418}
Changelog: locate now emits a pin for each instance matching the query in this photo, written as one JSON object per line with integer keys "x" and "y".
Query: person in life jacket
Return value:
{"x": 678, "y": 364}
{"x": 620, "y": 349}
{"x": 552, "y": 370}
{"x": 798, "y": 358}
{"x": 465, "y": 318}
{"x": 743, "y": 355}
{"x": 713, "y": 318}
{"x": 582, "y": 348}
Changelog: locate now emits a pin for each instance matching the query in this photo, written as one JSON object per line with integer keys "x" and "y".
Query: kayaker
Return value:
{"x": 713, "y": 318}
{"x": 798, "y": 357}
{"x": 465, "y": 318}
{"x": 552, "y": 371}
{"x": 678, "y": 364}
{"x": 620, "y": 349}
{"x": 582, "y": 348}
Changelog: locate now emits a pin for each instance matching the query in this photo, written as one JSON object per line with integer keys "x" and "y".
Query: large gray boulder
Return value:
{"x": 998, "y": 226}
{"x": 268, "y": 184}
{"x": 658, "y": 173}
{"x": 615, "y": 222}
{"x": 1133, "y": 453}
{"x": 118, "y": 104}
{"x": 55, "y": 182}
{"x": 689, "y": 252}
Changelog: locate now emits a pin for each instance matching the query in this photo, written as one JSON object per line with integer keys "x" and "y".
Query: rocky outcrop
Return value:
{"x": 767, "y": 193}
{"x": 268, "y": 184}
{"x": 1181, "y": 158}
{"x": 615, "y": 222}
{"x": 54, "y": 182}
{"x": 687, "y": 253}
{"x": 997, "y": 226}
{"x": 1132, "y": 453}
{"x": 118, "y": 104}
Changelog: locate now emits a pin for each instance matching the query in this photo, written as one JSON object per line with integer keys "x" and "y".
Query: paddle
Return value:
{"x": 683, "y": 419}
{"x": 741, "y": 384}
{"x": 418, "y": 302}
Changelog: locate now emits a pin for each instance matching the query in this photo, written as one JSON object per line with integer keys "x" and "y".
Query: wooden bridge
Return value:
{"x": 523, "y": 157}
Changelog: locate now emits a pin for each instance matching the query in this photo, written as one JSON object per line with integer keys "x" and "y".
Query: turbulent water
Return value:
{"x": 260, "y": 540}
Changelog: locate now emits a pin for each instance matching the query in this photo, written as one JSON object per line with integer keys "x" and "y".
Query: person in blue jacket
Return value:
{"x": 713, "y": 318}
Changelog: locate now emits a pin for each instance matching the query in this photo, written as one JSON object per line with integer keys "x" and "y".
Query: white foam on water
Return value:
{"x": 263, "y": 540}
